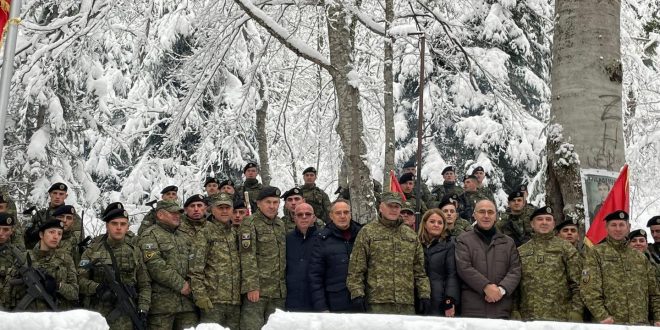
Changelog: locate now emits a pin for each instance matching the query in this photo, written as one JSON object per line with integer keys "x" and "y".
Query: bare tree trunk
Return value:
{"x": 586, "y": 128}
{"x": 388, "y": 95}
{"x": 262, "y": 136}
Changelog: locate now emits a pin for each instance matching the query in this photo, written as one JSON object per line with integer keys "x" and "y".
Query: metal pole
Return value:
{"x": 8, "y": 67}
{"x": 420, "y": 132}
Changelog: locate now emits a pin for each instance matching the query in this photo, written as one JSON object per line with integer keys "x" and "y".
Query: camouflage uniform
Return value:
{"x": 17, "y": 237}
{"x": 41, "y": 217}
{"x": 69, "y": 243}
{"x": 132, "y": 273}
{"x": 10, "y": 256}
{"x": 487, "y": 193}
{"x": 550, "y": 284}
{"x": 167, "y": 252}
{"x": 445, "y": 189}
{"x": 386, "y": 267}
{"x": 148, "y": 221}
{"x": 410, "y": 198}
{"x": 263, "y": 259}
{"x": 215, "y": 274}
{"x": 466, "y": 203}
{"x": 516, "y": 226}
{"x": 190, "y": 227}
{"x": 253, "y": 187}
{"x": 460, "y": 226}
{"x": 620, "y": 282}
{"x": 318, "y": 199}
{"x": 287, "y": 219}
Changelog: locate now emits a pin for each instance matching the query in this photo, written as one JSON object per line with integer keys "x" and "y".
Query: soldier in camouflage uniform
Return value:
{"x": 239, "y": 213}
{"x": 194, "y": 216}
{"x": 410, "y": 167}
{"x": 483, "y": 189}
{"x": 314, "y": 196}
{"x": 515, "y": 221}
{"x": 528, "y": 206}
{"x": 550, "y": 284}
{"x": 637, "y": 241}
{"x": 10, "y": 255}
{"x": 568, "y": 231}
{"x": 168, "y": 194}
{"x": 70, "y": 239}
{"x": 618, "y": 283}
{"x": 448, "y": 187}
{"x": 263, "y": 259}
{"x": 57, "y": 193}
{"x": 60, "y": 281}
{"x": 407, "y": 182}
{"x": 8, "y": 206}
{"x": 408, "y": 214}
{"x": 292, "y": 198}
{"x": 251, "y": 185}
{"x": 211, "y": 186}
{"x": 167, "y": 254}
{"x": 654, "y": 227}
{"x": 469, "y": 198}
{"x": 386, "y": 267}
{"x": 228, "y": 187}
{"x": 215, "y": 272}
{"x": 115, "y": 250}
{"x": 455, "y": 225}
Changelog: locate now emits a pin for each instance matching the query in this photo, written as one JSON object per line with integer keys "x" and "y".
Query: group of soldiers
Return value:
{"x": 227, "y": 257}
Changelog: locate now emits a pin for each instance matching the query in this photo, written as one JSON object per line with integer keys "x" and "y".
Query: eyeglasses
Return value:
{"x": 304, "y": 215}
{"x": 484, "y": 212}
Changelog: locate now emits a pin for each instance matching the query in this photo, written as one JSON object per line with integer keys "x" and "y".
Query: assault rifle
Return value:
{"x": 33, "y": 280}
{"x": 125, "y": 304}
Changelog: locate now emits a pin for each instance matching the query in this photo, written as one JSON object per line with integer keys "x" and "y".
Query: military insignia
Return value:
{"x": 200, "y": 196}
{"x": 296, "y": 190}
{"x": 73, "y": 211}
{"x": 83, "y": 263}
{"x": 621, "y": 215}
{"x": 245, "y": 236}
{"x": 277, "y": 191}
{"x": 148, "y": 246}
{"x": 149, "y": 255}
{"x": 61, "y": 224}
{"x": 120, "y": 206}
{"x": 246, "y": 244}
{"x": 9, "y": 221}
{"x": 191, "y": 256}
{"x": 126, "y": 214}
{"x": 641, "y": 231}
{"x": 62, "y": 187}
{"x": 548, "y": 209}
{"x": 539, "y": 259}
{"x": 585, "y": 277}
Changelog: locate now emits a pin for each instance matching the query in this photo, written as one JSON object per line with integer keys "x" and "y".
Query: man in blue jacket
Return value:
{"x": 298, "y": 254}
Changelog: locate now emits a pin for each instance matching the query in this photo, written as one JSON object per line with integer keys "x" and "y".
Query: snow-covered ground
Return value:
{"x": 71, "y": 320}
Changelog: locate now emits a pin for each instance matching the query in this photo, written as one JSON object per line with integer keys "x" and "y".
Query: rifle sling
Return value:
{"x": 112, "y": 258}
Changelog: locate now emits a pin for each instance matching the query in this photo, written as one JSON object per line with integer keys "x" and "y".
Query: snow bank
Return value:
{"x": 71, "y": 320}
{"x": 326, "y": 321}
{"x": 208, "y": 326}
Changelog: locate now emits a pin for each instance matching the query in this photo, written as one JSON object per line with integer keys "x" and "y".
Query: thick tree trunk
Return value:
{"x": 586, "y": 127}
{"x": 388, "y": 95}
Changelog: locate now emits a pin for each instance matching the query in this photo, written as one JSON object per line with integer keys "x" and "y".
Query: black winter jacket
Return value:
{"x": 440, "y": 264}
{"x": 298, "y": 255}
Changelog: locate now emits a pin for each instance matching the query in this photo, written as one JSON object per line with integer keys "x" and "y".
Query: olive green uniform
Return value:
{"x": 69, "y": 243}
{"x": 460, "y": 226}
{"x": 516, "y": 226}
{"x": 318, "y": 199}
{"x": 10, "y": 256}
{"x": 253, "y": 187}
{"x": 439, "y": 193}
{"x": 41, "y": 217}
{"x": 148, "y": 221}
{"x": 263, "y": 261}
{"x": 410, "y": 198}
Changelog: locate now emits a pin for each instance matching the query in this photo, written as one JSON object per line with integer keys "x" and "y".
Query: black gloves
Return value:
{"x": 449, "y": 303}
{"x": 358, "y": 305}
{"x": 425, "y": 306}
{"x": 142, "y": 315}
{"x": 50, "y": 284}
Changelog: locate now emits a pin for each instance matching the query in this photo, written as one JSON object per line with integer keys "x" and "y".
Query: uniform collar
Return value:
{"x": 388, "y": 223}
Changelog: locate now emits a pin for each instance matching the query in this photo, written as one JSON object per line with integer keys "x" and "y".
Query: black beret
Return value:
{"x": 64, "y": 209}
{"x": 58, "y": 186}
{"x": 543, "y": 210}
{"x": 653, "y": 221}
{"x": 449, "y": 168}
{"x": 309, "y": 170}
{"x": 292, "y": 192}
{"x": 523, "y": 187}
{"x": 406, "y": 177}
{"x": 410, "y": 163}
{"x": 249, "y": 165}
{"x": 168, "y": 189}
{"x": 7, "y": 219}
{"x": 115, "y": 214}
{"x": 515, "y": 195}
{"x": 637, "y": 233}
{"x": 239, "y": 204}
{"x": 51, "y": 224}
{"x": 3, "y": 199}
{"x": 269, "y": 191}
{"x": 617, "y": 215}
{"x": 567, "y": 222}
{"x": 194, "y": 198}
{"x": 227, "y": 182}
{"x": 112, "y": 207}
{"x": 473, "y": 177}
{"x": 477, "y": 169}
{"x": 210, "y": 179}
{"x": 449, "y": 200}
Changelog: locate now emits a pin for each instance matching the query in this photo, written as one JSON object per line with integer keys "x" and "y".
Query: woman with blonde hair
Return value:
{"x": 440, "y": 263}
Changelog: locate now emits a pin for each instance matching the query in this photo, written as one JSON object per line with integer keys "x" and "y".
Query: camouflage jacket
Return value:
{"x": 387, "y": 264}
{"x": 167, "y": 253}
{"x": 41, "y": 217}
{"x": 253, "y": 187}
{"x": 69, "y": 243}
{"x": 132, "y": 272}
{"x": 550, "y": 284}
{"x": 190, "y": 227}
{"x": 446, "y": 189}
{"x": 515, "y": 226}
{"x": 620, "y": 282}
{"x": 486, "y": 192}
{"x": 410, "y": 197}
{"x": 263, "y": 255}
{"x": 10, "y": 256}
{"x": 215, "y": 272}
{"x": 460, "y": 226}
{"x": 148, "y": 221}
{"x": 466, "y": 202}
{"x": 318, "y": 199}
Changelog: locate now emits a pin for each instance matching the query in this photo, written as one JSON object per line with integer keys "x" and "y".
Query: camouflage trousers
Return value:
{"x": 255, "y": 314}
{"x": 228, "y": 316}
{"x": 178, "y": 321}
{"x": 400, "y": 309}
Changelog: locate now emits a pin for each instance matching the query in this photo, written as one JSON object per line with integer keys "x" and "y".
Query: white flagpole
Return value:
{"x": 8, "y": 67}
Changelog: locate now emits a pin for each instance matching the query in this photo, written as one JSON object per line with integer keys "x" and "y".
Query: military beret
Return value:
{"x": 523, "y": 187}
{"x": 410, "y": 163}
{"x": 193, "y": 199}
{"x": 467, "y": 177}
{"x": 543, "y": 210}
{"x": 51, "y": 224}
{"x": 227, "y": 182}
{"x": 7, "y": 219}
{"x": 309, "y": 170}
{"x": 637, "y": 233}
{"x": 408, "y": 206}
{"x": 515, "y": 195}
{"x": 477, "y": 169}
{"x": 210, "y": 179}
{"x": 115, "y": 214}
{"x": 58, "y": 186}
{"x": 565, "y": 223}
{"x": 64, "y": 209}
{"x": 168, "y": 189}
{"x": 448, "y": 200}
{"x": 391, "y": 197}
{"x": 169, "y": 206}
{"x": 112, "y": 207}
{"x": 222, "y": 199}
{"x": 268, "y": 191}
{"x": 406, "y": 177}
{"x": 617, "y": 215}
{"x": 653, "y": 221}
{"x": 239, "y": 204}
{"x": 249, "y": 165}
{"x": 3, "y": 199}
{"x": 292, "y": 192}
{"x": 449, "y": 168}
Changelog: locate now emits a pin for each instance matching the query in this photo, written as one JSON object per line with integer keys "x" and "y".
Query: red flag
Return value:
{"x": 395, "y": 186}
{"x": 617, "y": 199}
{"x": 4, "y": 17}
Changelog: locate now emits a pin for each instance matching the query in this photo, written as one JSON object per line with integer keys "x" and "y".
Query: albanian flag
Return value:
{"x": 4, "y": 17}
{"x": 617, "y": 199}
{"x": 395, "y": 186}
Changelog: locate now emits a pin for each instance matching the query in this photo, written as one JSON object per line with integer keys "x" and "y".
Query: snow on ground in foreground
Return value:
{"x": 326, "y": 321}
{"x": 76, "y": 319}
{"x": 208, "y": 326}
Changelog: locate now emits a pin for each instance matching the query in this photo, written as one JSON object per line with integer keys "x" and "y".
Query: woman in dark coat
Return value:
{"x": 440, "y": 263}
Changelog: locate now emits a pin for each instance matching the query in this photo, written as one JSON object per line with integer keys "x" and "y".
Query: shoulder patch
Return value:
{"x": 149, "y": 246}
{"x": 585, "y": 276}
{"x": 148, "y": 255}
{"x": 83, "y": 263}
{"x": 245, "y": 236}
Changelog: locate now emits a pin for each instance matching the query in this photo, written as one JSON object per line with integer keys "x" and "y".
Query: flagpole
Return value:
{"x": 8, "y": 67}
{"x": 420, "y": 132}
